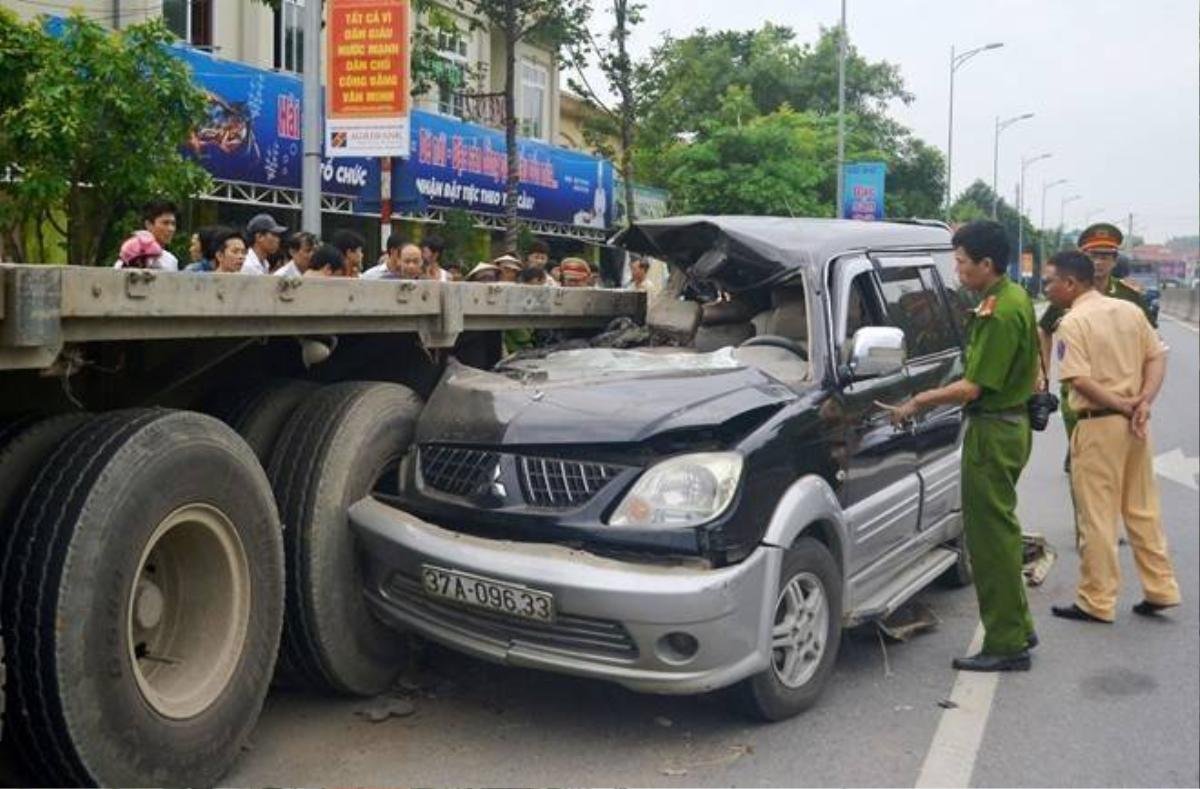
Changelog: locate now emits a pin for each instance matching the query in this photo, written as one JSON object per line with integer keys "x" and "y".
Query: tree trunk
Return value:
{"x": 625, "y": 87}
{"x": 510, "y": 127}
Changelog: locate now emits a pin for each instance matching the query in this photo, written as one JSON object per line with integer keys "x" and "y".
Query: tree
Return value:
{"x": 622, "y": 76}
{"x": 553, "y": 23}
{"x": 975, "y": 202}
{"x": 96, "y": 128}
{"x": 689, "y": 77}
{"x": 769, "y": 165}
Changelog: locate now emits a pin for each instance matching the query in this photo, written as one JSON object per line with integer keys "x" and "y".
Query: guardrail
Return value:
{"x": 1182, "y": 303}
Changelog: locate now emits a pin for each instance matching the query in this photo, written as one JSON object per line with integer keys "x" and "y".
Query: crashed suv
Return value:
{"x": 707, "y": 514}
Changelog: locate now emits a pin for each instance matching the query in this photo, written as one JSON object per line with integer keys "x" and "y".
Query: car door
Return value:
{"x": 917, "y": 301}
{"x": 880, "y": 491}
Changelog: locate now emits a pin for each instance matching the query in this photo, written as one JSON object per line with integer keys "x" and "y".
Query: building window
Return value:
{"x": 191, "y": 20}
{"x": 452, "y": 73}
{"x": 289, "y": 36}
{"x": 531, "y": 115}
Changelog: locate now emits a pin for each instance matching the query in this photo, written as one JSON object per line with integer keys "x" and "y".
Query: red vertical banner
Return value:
{"x": 367, "y": 80}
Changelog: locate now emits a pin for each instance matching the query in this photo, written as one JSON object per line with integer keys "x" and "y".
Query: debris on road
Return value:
{"x": 1037, "y": 557}
{"x": 732, "y": 754}
{"x": 909, "y": 620}
{"x": 947, "y": 704}
{"x": 380, "y": 709}
{"x": 664, "y": 721}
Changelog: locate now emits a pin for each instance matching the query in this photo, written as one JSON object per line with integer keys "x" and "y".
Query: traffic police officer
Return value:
{"x": 1115, "y": 365}
{"x": 1099, "y": 242}
{"x": 998, "y": 380}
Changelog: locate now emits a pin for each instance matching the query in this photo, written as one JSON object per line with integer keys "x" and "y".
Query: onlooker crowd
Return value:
{"x": 265, "y": 246}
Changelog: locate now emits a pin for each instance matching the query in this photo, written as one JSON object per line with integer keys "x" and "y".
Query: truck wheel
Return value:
{"x": 805, "y": 636}
{"x": 334, "y": 450}
{"x": 143, "y": 598}
{"x": 258, "y": 415}
{"x": 961, "y": 573}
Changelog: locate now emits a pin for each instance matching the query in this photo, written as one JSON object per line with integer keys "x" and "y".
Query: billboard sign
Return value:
{"x": 862, "y": 190}
{"x": 461, "y": 165}
{"x": 649, "y": 202}
{"x": 367, "y": 78}
{"x": 252, "y": 130}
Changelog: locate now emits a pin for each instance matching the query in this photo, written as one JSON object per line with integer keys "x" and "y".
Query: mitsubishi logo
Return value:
{"x": 492, "y": 492}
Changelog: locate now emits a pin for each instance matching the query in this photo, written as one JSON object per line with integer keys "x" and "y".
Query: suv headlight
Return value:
{"x": 684, "y": 491}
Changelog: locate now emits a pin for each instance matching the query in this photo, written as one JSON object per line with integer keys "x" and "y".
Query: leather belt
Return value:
{"x": 1096, "y": 413}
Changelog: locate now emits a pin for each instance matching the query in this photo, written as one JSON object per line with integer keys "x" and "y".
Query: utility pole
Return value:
{"x": 841, "y": 132}
{"x": 314, "y": 143}
{"x": 1037, "y": 264}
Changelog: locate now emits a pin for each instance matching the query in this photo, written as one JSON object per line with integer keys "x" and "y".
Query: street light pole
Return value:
{"x": 957, "y": 60}
{"x": 1037, "y": 267}
{"x": 1025, "y": 162}
{"x": 841, "y": 132}
{"x": 310, "y": 173}
{"x": 1001, "y": 126}
{"x": 1062, "y": 215}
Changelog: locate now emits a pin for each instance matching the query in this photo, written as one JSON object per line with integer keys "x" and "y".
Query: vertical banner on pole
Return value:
{"x": 367, "y": 100}
{"x": 863, "y": 195}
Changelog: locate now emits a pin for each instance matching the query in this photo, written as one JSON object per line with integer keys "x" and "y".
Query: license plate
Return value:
{"x": 473, "y": 590}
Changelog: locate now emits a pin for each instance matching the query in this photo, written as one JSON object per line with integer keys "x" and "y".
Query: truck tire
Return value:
{"x": 805, "y": 636}
{"x": 333, "y": 451}
{"x": 143, "y": 600}
{"x": 259, "y": 414}
{"x": 23, "y": 446}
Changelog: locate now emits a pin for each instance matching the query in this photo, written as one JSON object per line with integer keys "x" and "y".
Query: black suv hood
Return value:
{"x": 472, "y": 406}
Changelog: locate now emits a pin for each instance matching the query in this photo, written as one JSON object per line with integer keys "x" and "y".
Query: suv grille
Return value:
{"x": 458, "y": 472}
{"x": 562, "y": 483}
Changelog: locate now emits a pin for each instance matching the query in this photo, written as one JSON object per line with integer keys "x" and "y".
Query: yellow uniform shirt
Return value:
{"x": 1107, "y": 340}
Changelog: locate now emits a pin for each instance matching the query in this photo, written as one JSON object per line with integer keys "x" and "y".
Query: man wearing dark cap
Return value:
{"x": 265, "y": 235}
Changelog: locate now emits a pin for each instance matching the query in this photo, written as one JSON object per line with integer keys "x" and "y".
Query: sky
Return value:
{"x": 1114, "y": 86}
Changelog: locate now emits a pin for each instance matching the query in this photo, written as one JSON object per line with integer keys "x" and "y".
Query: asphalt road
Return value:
{"x": 1103, "y": 706}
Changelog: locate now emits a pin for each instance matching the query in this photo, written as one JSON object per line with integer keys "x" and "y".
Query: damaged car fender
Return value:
{"x": 809, "y": 507}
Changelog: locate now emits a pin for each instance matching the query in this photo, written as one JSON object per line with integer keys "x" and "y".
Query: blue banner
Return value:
{"x": 461, "y": 165}
{"x": 252, "y": 132}
{"x": 863, "y": 186}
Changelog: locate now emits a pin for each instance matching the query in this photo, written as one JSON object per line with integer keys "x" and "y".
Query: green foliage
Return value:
{"x": 525, "y": 239}
{"x": 772, "y": 165}
{"x": 95, "y": 128}
{"x": 976, "y": 203}
{"x": 689, "y": 77}
{"x": 458, "y": 231}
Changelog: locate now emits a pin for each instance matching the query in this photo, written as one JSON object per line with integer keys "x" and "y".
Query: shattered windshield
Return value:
{"x": 599, "y": 362}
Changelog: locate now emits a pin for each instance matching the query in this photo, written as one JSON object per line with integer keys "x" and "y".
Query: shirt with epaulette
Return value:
{"x": 1125, "y": 289}
{"x": 1002, "y": 353}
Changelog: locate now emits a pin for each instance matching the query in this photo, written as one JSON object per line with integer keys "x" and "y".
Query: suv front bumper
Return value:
{"x": 613, "y": 616}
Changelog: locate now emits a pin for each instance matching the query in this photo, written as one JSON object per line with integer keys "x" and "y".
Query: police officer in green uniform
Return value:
{"x": 1099, "y": 242}
{"x": 999, "y": 376}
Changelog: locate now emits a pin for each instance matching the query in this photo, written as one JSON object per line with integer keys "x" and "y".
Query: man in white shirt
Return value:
{"x": 158, "y": 219}
{"x": 265, "y": 236}
{"x": 403, "y": 261}
{"x": 639, "y": 279}
{"x": 300, "y": 247}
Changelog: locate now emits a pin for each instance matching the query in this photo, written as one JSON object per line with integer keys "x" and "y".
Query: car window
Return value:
{"x": 962, "y": 301}
{"x": 910, "y": 296}
{"x": 861, "y": 308}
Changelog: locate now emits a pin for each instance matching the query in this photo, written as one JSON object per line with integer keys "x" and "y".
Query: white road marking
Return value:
{"x": 951, "y": 757}
{"x": 1179, "y": 322}
{"x": 1178, "y": 467}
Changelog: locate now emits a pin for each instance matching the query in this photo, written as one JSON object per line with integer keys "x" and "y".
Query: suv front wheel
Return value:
{"x": 805, "y": 635}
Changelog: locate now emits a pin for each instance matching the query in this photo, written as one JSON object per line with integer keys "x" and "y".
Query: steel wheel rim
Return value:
{"x": 188, "y": 611}
{"x": 799, "y": 630}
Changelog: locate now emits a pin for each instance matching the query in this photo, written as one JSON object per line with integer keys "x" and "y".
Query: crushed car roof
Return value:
{"x": 750, "y": 251}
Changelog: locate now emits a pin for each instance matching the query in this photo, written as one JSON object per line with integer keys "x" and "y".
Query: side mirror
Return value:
{"x": 876, "y": 351}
